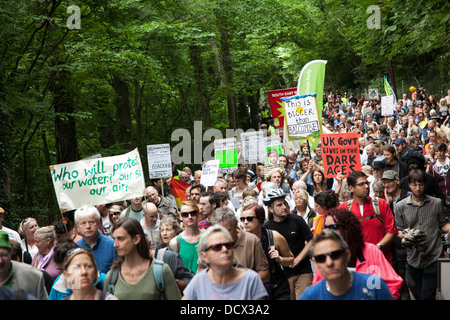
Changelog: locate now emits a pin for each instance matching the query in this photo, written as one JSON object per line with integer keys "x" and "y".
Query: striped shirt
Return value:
{"x": 428, "y": 217}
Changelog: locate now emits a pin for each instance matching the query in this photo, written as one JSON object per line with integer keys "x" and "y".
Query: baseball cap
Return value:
{"x": 399, "y": 141}
{"x": 377, "y": 165}
{"x": 4, "y": 240}
{"x": 390, "y": 175}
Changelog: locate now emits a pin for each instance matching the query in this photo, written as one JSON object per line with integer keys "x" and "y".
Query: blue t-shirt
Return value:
{"x": 249, "y": 287}
{"x": 365, "y": 287}
{"x": 104, "y": 252}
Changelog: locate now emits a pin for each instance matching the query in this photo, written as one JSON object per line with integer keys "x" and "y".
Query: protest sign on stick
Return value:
{"x": 98, "y": 181}
{"x": 273, "y": 142}
{"x": 302, "y": 117}
{"x": 159, "y": 161}
{"x": 340, "y": 153}
{"x": 210, "y": 169}
{"x": 225, "y": 150}
{"x": 254, "y": 146}
{"x": 387, "y": 105}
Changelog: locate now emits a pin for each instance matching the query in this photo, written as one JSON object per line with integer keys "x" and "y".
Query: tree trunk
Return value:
{"x": 392, "y": 77}
{"x": 65, "y": 127}
{"x": 123, "y": 112}
{"x": 228, "y": 75}
{"x": 202, "y": 99}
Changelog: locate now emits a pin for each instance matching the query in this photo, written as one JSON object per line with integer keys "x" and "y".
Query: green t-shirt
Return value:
{"x": 146, "y": 288}
{"x": 189, "y": 254}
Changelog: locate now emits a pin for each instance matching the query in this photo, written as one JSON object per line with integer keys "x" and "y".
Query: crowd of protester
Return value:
{"x": 278, "y": 230}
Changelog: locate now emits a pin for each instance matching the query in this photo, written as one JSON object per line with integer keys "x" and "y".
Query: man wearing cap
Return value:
{"x": 378, "y": 168}
{"x": 13, "y": 235}
{"x": 17, "y": 275}
{"x": 392, "y": 190}
{"x": 402, "y": 148}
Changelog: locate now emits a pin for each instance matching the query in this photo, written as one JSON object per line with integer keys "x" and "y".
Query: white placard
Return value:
{"x": 98, "y": 181}
{"x": 210, "y": 169}
{"x": 254, "y": 146}
{"x": 387, "y": 105}
{"x": 159, "y": 161}
{"x": 302, "y": 116}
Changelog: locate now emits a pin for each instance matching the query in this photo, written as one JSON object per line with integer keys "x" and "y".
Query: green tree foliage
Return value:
{"x": 137, "y": 70}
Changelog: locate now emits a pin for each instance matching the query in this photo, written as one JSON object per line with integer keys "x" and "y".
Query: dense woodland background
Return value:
{"x": 137, "y": 70}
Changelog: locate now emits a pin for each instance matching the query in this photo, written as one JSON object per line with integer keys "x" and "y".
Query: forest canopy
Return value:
{"x": 86, "y": 77}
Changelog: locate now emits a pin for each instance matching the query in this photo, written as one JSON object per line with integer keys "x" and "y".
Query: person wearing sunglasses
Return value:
{"x": 364, "y": 257}
{"x": 330, "y": 255}
{"x": 186, "y": 242}
{"x": 274, "y": 245}
{"x": 248, "y": 250}
{"x": 221, "y": 280}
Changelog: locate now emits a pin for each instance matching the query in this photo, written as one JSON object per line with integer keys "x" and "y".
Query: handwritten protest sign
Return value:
{"x": 273, "y": 142}
{"x": 225, "y": 150}
{"x": 98, "y": 181}
{"x": 302, "y": 117}
{"x": 210, "y": 169}
{"x": 159, "y": 161}
{"x": 254, "y": 146}
{"x": 340, "y": 153}
{"x": 387, "y": 105}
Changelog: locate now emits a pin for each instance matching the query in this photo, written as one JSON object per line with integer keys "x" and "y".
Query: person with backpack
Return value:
{"x": 274, "y": 245}
{"x": 298, "y": 236}
{"x": 135, "y": 274}
{"x": 376, "y": 217}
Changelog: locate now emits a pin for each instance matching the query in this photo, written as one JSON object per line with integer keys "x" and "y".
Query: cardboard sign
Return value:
{"x": 340, "y": 153}
{"x": 302, "y": 117}
{"x": 387, "y": 105}
{"x": 225, "y": 150}
{"x": 254, "y": 146}
{"x": 98, "y": 181}
{"x": 273, "y": 142}
{"x": 159, "y": 161}
{"x": 210, "y": 169}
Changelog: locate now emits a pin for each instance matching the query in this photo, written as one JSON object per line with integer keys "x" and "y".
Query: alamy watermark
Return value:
{"x": 374, "y": 20}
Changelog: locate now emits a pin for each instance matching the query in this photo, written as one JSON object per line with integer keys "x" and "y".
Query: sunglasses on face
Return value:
{"x": 331, "y": 226}
{"x": 334, "y": 255}
{"x": 186, "y": 214}
{"x": 218, "y": 247}
{"x": 249, "y": 219}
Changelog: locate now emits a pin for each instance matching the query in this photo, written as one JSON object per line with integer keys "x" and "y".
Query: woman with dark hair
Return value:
{"x": 392, "y": 161}
{"x": 365, "y": 256}
{"x": 274, "y": 245}
{"x": 134, "y": 265}
{"x": 323, "y": 201}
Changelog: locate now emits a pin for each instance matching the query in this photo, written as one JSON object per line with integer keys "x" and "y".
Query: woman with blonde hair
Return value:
{"x": 27, "y": 229}
{"x": 81, "y": 274}
{"x": 302, "y": 207}
{"x": 44, "y": 260}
